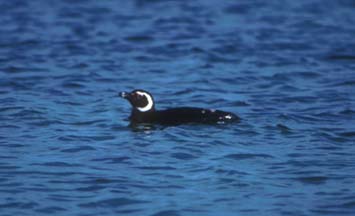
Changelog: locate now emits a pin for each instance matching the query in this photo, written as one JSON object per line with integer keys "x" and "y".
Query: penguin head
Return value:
{"x": 140, "y": 100}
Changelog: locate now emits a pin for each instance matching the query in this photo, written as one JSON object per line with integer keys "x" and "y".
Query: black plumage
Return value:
{"x": 143, "y": 111}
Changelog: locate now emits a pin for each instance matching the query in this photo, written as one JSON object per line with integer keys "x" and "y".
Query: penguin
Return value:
{"x": 143, "y": 111}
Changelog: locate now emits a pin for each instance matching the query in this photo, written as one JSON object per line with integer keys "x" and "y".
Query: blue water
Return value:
{"x": 287, "y": 68}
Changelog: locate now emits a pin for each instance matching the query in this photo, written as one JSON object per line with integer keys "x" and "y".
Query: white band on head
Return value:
{"x": 150, "y": 102}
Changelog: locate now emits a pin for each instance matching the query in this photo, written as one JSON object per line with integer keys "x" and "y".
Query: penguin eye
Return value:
{"x": 138, "y": 96}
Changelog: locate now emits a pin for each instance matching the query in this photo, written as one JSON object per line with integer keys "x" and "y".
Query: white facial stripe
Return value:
{"x": 149, "y": 99}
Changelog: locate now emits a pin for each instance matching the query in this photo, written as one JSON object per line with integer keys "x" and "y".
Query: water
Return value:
{"x": 285, "y": 67}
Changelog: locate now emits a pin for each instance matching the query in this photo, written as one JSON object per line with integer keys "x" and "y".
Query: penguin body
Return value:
{"x": 143, "y": 111}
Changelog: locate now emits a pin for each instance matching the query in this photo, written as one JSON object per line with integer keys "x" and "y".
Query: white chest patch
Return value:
{"x": 150, "y": 104}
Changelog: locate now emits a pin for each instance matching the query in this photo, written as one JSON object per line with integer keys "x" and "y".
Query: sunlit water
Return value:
{"x": 287, "y": 68}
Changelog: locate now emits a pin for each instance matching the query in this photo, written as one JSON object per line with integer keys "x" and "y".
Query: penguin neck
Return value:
{"x": 138, "y": 116}
{"x": 135, "y": 111}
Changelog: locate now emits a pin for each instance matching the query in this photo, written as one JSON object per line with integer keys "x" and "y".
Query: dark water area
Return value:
{"x": 287, "y": 68}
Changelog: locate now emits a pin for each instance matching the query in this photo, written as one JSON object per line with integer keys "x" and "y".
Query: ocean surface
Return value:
{"x": 287, "y": 68}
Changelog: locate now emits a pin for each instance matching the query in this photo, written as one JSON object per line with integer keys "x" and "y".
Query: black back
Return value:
{"x": 183, "y": 115}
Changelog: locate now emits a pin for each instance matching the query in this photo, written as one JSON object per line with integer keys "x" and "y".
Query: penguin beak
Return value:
{"x": 123, "y": 95}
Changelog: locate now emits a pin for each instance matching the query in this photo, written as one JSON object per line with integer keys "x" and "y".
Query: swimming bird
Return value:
{"x": 143, "y": 111}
